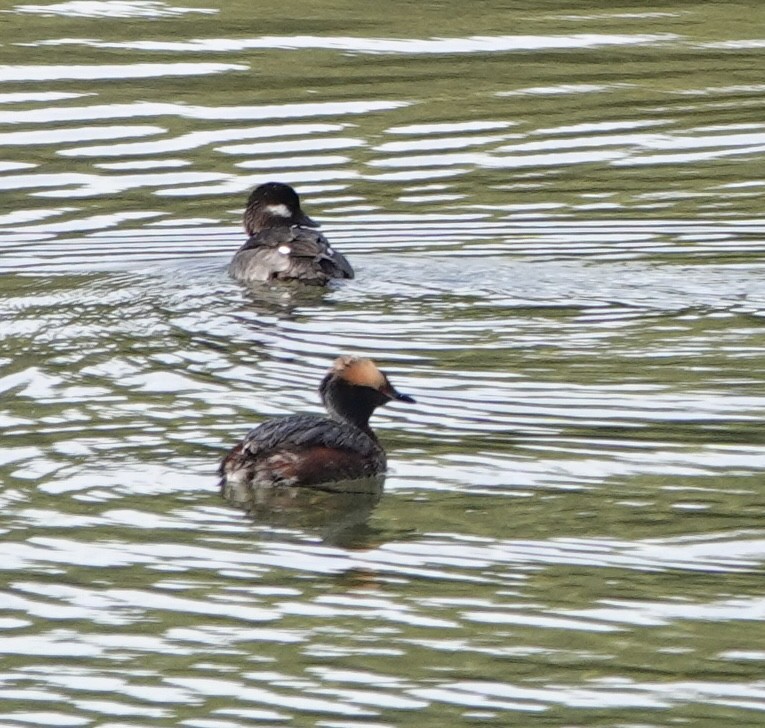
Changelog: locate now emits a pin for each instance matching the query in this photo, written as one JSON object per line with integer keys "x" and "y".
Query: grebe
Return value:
{"x": 310, "y": 449}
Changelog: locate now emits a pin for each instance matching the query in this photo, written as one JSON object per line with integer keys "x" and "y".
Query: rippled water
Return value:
{"x": 555, "y": 214}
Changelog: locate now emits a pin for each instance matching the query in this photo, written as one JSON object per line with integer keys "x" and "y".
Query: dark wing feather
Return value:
{"x": 335, "y": 265}
{"x": 271, "y": 237}
{"x": 304, "y": 244}
{"x": 302, "y": 449}
{"x": 301, "y": 431}
{"x": 307, "y": 243}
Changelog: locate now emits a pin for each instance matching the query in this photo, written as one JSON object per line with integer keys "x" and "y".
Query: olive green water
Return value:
{"x": 555, "y": 214}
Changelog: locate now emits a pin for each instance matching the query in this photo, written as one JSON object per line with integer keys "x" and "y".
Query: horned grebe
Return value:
{"x": 311, "y": 449}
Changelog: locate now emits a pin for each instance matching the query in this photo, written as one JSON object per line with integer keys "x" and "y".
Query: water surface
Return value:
{"x": 555, "y": 217}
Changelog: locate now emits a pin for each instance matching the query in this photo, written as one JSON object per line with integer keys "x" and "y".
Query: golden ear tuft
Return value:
{"x": 361, "y": 372}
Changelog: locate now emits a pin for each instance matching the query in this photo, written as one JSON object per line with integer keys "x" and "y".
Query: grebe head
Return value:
{"x": 354, "y": 387}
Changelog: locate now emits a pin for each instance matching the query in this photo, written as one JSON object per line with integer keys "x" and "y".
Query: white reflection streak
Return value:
{"x": 685, "y": 157}
{"x": 110, "y": 9}
{"x": 78, "y": 134}
{"x": 241, "y": 691}
{"x": 298, "y": 145}
{"x": 449, "y": 128}
{"x": 126, "y": 70}
{"x": 13, "y": 166}
{"x": 239, "y": 184}
{"x": 88, "y": 185}
{"x": 26, "y": 97}
{"x": 613, "y": 692}
{"x": 472, "y": 44}
{"x": 482, "y": 159}
{"x": 279, "y": 163}
{"x": 722, "y": 555}
{"x": 100, "y": 112}
{"x": 437, "y": 143}
{"x": 661, "y": 613}
{"x": 196, "y": 139}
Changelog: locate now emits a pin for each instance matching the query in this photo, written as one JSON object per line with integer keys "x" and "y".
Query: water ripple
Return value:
{"x": 560, "y": 258}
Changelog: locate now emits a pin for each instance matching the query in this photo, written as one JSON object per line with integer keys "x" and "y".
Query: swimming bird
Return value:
{"x": 306, "y": 450}
{"x": 283, "y": 243}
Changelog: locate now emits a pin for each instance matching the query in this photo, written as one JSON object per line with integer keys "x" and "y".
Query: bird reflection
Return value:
{"x": 338, "y": 512}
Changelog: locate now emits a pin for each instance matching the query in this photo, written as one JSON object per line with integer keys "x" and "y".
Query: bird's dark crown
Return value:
{"x": 273, "y": 204}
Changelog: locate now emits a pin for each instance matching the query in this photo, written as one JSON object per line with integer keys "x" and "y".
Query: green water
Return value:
{"x": 554, "y": 212}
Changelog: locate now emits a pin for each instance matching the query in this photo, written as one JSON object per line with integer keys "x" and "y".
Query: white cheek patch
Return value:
{"x": 330, "y": 251}
{"x": 279, "y": 210}
{"x": 284, "y": 249}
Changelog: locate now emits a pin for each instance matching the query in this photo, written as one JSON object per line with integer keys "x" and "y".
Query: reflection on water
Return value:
{"x": 555, "y": 219}
{"x": 338, "y": 512}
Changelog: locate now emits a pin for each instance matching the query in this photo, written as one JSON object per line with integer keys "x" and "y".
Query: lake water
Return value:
{"x": 555, "y": 212}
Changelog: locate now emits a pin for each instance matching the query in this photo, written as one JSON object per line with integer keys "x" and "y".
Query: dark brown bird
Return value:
{"x": 283, "y": 244}
{"x": 311, "y": 449}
